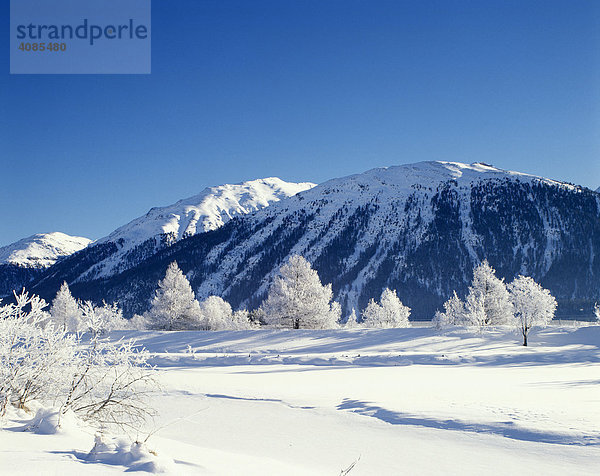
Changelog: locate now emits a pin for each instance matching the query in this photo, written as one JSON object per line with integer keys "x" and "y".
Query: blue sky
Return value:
{"x": 303, "y": 90}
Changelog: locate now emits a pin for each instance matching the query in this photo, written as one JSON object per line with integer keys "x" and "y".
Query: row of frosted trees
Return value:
{"x": 298, "y": 300}
{"x": 491, "y": 302}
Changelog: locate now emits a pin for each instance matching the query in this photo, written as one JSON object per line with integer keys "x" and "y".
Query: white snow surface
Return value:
{"x": 395, "y": 401}
{"x": 41, "y": 250}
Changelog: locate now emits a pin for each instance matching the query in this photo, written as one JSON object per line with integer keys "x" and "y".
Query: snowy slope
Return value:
{"x": 41, "y": 250}
{"x": 209, "y": 210}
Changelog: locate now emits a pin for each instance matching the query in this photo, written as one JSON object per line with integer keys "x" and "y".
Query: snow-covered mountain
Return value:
{"x": 418, "y": 228}
{"x": 41, "y": 250}
{"x": 208, "y": 210}
{"x": 161, "y": 227}
{"x": 24, "y": 260}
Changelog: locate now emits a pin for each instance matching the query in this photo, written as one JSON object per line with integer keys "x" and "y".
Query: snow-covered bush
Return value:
{"x": 533, "y": 305}
{"x": 487, "y": 302}
{"x": 597, "y": 311}
{"x": 103, "y": 382}
{"x": 174, "y": 306}
{"x": 390, "y": 313}
{"x": 217, "y": 315}
{"x": 298, "y": 300}
{"x": 34, "y": 358}
{"x": 109, "y": 384}
{"x": 65, "y": 310}
{"x": 453, "y": 315}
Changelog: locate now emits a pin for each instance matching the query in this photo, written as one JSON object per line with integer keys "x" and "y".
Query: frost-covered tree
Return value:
{"x": 597, "y": 311}
{"x": 65, "y": 310}
{"x": 533, "y": 305}
{"x": 217, "y": 315}
{"x": 298, "y": 300}
{"x": 453, "y": 315}
{"x": 390, "y": 313}
{"x": 487, "y": 302}
{"x": 351, "y": 322}
{"x": 174, "y": 306}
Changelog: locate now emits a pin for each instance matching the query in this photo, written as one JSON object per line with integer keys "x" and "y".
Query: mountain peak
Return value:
{"x": 41, "y": 250}
{"x": 430, "y": 173}
{"x": 208, "y": 210}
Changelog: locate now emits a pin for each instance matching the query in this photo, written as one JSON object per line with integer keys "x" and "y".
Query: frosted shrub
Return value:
{"x": 298, "y": 300}
{"x": 103, "y": 382}
{"x": 109, "y": 384}
{"x": 597, "y": 312}
{"x": 217, "y": 315}
{"x": 99, "y": 320}
{"x": 390, "y": 313}
{"x": 137, "y": 323}
{"x": 34, "y": 359}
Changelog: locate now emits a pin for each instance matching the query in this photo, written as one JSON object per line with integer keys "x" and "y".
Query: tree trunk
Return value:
{"x": 525, "y": 339}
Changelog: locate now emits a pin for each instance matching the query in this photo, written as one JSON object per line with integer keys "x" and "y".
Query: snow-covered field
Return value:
{"x": 395, "y": 401}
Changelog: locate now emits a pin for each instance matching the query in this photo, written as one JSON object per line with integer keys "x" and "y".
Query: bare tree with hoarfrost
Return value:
{"x": 109, "y": 383}
{"x": 298, "y": 300}
{"x": 488, "y": 302}
{"x": 101, "y": 319}
{"x": 174, "y": 306}
{"x": 533, "y": 305}
{"x": 65, "y": 310}
{"x": 390, "y": 313}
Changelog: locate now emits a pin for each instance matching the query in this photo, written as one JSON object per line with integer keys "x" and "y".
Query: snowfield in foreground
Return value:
{"x": 395, "y": 401}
